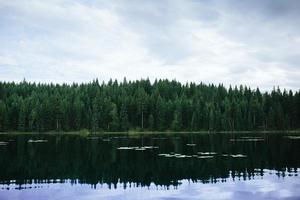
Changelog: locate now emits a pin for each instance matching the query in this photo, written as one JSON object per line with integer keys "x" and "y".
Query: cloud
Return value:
{"x": 255, "y": 43}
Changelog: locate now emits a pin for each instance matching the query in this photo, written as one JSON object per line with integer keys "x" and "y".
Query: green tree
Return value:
{"x": 3, "y": 116}
{"x": 177, "y": 121}
{"x": 124, "y": 118}
{"x": 114, "y": 124}
{"x": 22, "y": 118}
{"x": 151, "y": 122}
{"x": 160, "y": 114}
{"x": 95, "y": 116}
{"x": 141, "y": 104}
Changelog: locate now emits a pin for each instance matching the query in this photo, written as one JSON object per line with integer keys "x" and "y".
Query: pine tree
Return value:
{"x": 114, "y": 124}
{"x": 160, "y": 114}
{"x": 95, "y": 116}
{"x": 151, "y": 123}
{"x": 194, "y": 124}
{"x": 124, "y": 118}
{"x": 141, "y": 104}
{"x": 160, "y": 106}
{"x": 3, "y": 116}
{"x": 177, "y": 121}
{"x": 22, "y": 118}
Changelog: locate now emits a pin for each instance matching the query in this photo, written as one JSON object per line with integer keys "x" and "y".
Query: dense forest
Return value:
{"x": 144, "y": 106}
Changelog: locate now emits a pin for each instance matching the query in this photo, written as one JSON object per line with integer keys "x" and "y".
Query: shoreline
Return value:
{"x": 129, "y": 133}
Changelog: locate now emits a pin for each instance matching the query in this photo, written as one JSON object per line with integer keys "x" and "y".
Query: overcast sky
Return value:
{"x": 249, "y": 42}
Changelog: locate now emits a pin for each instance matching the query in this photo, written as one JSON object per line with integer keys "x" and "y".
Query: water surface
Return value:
{"x": 185, "y": 166}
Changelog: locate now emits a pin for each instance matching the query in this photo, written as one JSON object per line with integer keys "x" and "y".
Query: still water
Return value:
{"x": 185, "y": 166}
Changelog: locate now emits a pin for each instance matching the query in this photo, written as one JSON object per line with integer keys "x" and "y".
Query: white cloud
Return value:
{"x": 66, "y": 41}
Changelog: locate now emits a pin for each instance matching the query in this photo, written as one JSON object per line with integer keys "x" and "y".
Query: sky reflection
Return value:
{"x": 269, "y": 186}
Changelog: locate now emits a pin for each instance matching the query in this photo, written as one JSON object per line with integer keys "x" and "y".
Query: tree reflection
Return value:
{"x": 97, "y": 161}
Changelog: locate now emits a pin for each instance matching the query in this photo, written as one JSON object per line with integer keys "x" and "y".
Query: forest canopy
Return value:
{"x": 145, "y": 106}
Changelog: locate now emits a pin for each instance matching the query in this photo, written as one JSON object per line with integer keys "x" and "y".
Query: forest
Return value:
{"x": 163, "y": 105}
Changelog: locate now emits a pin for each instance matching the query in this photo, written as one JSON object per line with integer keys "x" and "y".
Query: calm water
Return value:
{"x": 216, "y": 166}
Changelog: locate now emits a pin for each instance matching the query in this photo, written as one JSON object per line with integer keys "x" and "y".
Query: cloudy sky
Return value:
{"x": 250, "y": 42}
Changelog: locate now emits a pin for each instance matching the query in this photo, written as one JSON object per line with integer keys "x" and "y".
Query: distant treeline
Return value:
{"x": 142, "y": 105}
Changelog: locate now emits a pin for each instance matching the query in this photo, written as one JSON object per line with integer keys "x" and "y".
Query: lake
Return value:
{"x": 178, "y": 166}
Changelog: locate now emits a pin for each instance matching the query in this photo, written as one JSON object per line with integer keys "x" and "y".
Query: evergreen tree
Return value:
{"x": 142, "y": 105}
{"x": 177, "y": 121}
{"x": 124, "y": 118}
{"x": 114, "y": 124}
{"x": 160, "y": 114}
{"x": 2, "y": 116}
{"x": 95, "y": 116}
{"x": 151, "y": 123}
{"x": 22, "y": 118}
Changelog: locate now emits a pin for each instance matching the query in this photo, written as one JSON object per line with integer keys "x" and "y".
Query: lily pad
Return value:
{"x": 3, "y": 143}
{"x": 140, "y": 149}
{"x": 37, "y": 141}
{"x": 293, "y": 137}
{"x": 150, "y": 147}
{"x": 125, "y": 148}
{"x": 247, "y": 140}
{"x": 183, "y": 156}
{"x": 238, "y": 156}
{"x": 207, "y": 153}
{"x": 192, "y": 145}
{"x": 204, "y": 157}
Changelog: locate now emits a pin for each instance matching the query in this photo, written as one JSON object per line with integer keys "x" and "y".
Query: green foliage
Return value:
{"x": 177, "y": 121}
{"x": 114, "y": 122}
{"x": 151, "y": 123}
{"x": 140, "y": 105}
{"x": 124, "y": 118}
{"x": 84, "y": 132}
{"x": 3, "y": 116}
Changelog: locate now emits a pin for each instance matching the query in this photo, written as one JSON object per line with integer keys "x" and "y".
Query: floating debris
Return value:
{"x": 150, "y": 147}
{"x": 3, "y": 143}
{"x": 204, "y": 157}
{"x": 192, "y": 145}
{"x": 126, "y": 148}
{"x": 140, "y": 149}
{"x": 247, "y": 140}
{"x": 238, "y": 156}
{"x": 182, "y": 156}
{"x": 207, "y": 153}
{"x": 293, "y": 137}
{"x": 169, "y": 156}
{"x": 163, "y": 154}
{"x": 177, "y": 155}
{"x": 37, "y": 141}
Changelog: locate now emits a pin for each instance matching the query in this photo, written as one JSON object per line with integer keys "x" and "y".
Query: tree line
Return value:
{"x": 144, "y": 106}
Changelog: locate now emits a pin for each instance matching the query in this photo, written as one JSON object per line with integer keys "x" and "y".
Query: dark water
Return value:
{"x": 191, "y": 166}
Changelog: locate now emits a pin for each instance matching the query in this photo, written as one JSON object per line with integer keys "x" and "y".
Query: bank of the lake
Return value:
{"x": 88, "y": 133}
